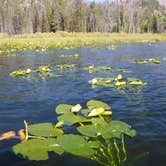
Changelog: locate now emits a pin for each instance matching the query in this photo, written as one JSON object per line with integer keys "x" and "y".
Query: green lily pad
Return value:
{"x": 37, "y": 149}
{"x": 114, "y": 129}
{"x": 85, "y": 112}
{"x": 106, "y": 113}
{"x": 44, "y": 130}
{"x": 76, "y": 145}
{"x": 92, "y": 104}
{"x": 70, "y": 118}
{"x": 121, "y": 127}
{"x": 154, "y": 60}
{"x": 141, "y": 62}
{"x": 95, "y": 130}
{"x": 96, "y": 112}
{"x": 63, "y": 108}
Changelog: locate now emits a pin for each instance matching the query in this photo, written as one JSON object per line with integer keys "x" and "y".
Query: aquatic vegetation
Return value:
{"x": 146, "y": 61}
{"x": 116, "y": 82}
{"x": 98, "y": 137}
{"x": 19, "y": 73}
{"x": 105, "y": 47}
{"x": 41, "y": 71}
{"x": 111, "y": 47}
{"x": 44, "y": 41}
{"x": 66, "y": 66}
{"x": 154, "y": 60}
{"x": 135, "y": 81}
{"x": 93, "y": 68}
{"x": 123, "y": 71}
{"x": 76, "y": 56}
{"x": 44, "y": 69}
{"x": 142, "y": 62}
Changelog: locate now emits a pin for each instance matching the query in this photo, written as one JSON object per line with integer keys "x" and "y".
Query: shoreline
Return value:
{"x": 65, "y": 40}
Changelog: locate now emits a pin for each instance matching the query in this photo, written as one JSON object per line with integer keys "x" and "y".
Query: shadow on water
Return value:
{"x": 35, "y": 99}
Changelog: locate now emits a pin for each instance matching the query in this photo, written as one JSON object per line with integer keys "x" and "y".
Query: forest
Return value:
{"x": 129, "y": 16}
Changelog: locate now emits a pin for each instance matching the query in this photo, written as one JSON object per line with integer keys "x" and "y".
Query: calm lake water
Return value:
{"x": 35, "y": 99}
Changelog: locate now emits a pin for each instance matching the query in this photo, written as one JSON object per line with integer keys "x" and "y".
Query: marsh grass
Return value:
{"x": 65, "y": 40}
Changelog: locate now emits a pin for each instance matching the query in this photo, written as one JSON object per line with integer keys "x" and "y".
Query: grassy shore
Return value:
{"x": 64, "y": 40}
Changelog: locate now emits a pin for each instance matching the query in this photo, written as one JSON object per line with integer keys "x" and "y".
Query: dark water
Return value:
{"x": 35, "y": 99}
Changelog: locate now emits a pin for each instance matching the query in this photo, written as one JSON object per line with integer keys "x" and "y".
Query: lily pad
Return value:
{"x": 96, "y": 112}
{"x": 37, "y": 149}
{"x": 154, "y": 60}
{"x": 63, "y": 108}
{"x": 85, "y": 112}
{"x": 92, "y": 104}
{"x": 77, "y": 145}
{"x": 95, "y": 130}
{"x": 121, "y": 127}
{"x": 70, "y": 118}
{"x": 114, "y": 129}
{"x": 44, "y": 130}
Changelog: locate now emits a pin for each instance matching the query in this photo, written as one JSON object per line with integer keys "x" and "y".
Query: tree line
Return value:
{"x": 130, "y": 16}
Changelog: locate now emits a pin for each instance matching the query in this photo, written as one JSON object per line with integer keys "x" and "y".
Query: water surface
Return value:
{"x": 35, "y": 99}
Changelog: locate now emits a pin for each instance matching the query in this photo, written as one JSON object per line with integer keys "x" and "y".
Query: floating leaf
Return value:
{"x": 70, "y": 118}
{"x": 121, "y": 127}
{"x": 94, "y": 130}
{"x": 63, "y": 108}
{"x": 122, "y": 83}
{"x": 85, "y": 111}
{"x": 138, "y": 61}
{"x": 135, "y": 81}
{"x": 44, "y": 129}
{"x": 96, "y": 112}
{"x": 92, "y": 104}
{"x": 59, "y": 124}
{"x": 77, "y": 145}
{"x": 154, "y": 60}
{"x": 114, "y": 129}
{"x": 37, "y": 149}
{"x": 106, "y": 113}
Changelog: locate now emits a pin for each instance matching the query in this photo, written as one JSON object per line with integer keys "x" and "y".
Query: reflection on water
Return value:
{"x": 34, "y": 99}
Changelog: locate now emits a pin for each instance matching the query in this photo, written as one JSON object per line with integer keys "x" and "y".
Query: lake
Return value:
{"x": 35, "y": 99}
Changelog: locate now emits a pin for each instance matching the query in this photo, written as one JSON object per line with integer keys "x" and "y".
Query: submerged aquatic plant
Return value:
{"x": 98, "y": 137}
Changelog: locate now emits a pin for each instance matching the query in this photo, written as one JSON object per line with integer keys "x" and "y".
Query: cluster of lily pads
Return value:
{"x": 146, "y": 61}
{"x": 42, "y": 71}
{"x": 46, "y": 71}
{"x": 69, "y": 56}
{"x": 93, "y": 68}
{"x": 116, "y": 82}
{"x": 106, "y": 47}
{"x": 97, "y": 136}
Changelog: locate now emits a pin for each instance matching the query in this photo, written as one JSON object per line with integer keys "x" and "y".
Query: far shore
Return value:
{"x": 65, "y": 40}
